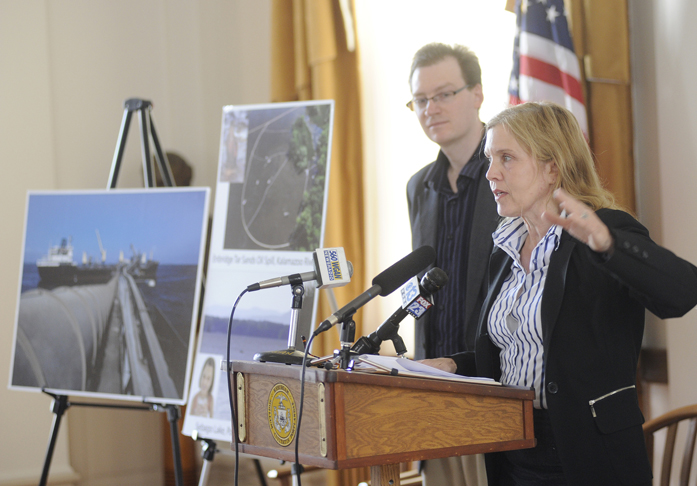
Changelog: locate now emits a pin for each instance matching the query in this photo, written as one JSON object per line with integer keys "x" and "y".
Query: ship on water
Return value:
{"x": 141, "y": 267}
{"x": 58, "y": 267}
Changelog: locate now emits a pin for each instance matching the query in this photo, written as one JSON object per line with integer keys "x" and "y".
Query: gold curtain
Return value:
{"x": 605, "y": 77}
{"x": 598, "y": 24}
{"x": 312, "y": 61}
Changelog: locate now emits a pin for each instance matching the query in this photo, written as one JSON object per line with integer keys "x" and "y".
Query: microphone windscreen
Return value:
{"x": 434, "y": 280}
{"x": 395, "y": 276}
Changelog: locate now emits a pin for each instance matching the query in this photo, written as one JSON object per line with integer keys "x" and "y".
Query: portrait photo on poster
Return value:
{"x": 205, "y": 377}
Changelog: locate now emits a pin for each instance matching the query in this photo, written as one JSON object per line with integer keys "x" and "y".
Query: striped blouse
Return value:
{"x": 514, "y": 321}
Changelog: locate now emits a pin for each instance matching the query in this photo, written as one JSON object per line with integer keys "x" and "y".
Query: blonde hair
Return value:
{"x": 549, "y": 132}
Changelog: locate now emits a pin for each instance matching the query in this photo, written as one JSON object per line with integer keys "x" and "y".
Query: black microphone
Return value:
{"x": 331, "y": 270}
{"x": 416, "y": 305}
{"x": 384, "y": 284}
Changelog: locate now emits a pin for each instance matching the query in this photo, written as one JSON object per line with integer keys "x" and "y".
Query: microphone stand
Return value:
{"x": 388, "y": 330}
{"x": 366, "y": 344}
{"x": 347, "y": 335}
{"x": 290, "y": 355}
{"x": 342, "y": 356}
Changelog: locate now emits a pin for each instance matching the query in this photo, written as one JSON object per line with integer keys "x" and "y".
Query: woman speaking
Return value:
{"x": 569, "y": 279}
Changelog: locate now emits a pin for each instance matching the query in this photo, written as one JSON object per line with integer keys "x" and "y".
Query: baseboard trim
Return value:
{"x": 66, "y": 477}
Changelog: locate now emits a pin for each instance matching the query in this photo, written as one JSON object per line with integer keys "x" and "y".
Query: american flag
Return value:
{"x": 545, "y": 67}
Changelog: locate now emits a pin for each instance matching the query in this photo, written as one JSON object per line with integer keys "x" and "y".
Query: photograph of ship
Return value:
{"x": 276, "y": 160}
{"x": 58, "y": 267}
{"x": 110, "y": 283}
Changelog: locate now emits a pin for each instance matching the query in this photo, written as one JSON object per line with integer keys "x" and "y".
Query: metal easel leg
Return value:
{"x": 145, "y": 146}
{"x": 147, "y": 130}
{"x": 173, "y": 415}
{"x": 120, "y": 145}
{"x": 165, "y": 168}
{"x": 59, "y": 406}
{"x": 208, "y": 450}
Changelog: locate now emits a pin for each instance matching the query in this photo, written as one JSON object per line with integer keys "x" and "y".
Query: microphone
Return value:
{"x": 331, "y": 270}
{"x": 415, "y": 301}
{"x": 384, "y": 284}
{"x": 415, "y": 297}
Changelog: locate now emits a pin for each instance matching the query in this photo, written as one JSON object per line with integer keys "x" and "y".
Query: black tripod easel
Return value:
{"x": 147, "y": 130}
{"x": 60, "y": 402}
{"x": 209, "y": 449}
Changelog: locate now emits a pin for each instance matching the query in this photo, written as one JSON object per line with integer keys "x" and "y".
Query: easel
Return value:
{"x": 147, "y": 130}
{"x": 209, "y": 448}
{"x": 60, "y": 402}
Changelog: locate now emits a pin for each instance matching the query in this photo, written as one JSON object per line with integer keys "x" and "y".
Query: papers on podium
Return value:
{"x": 406, "y": 367}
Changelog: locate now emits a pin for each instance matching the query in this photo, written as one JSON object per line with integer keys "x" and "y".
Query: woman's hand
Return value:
{"x": 581, "y": 222}
{"x": 443, "y": 364}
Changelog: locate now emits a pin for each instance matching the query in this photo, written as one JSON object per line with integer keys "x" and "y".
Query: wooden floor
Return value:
{"x": 222, "y": 472}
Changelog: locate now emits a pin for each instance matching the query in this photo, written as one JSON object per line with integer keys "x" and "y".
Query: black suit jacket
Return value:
{"x": 422, "y": 200}
{"x": 592, "y": 327}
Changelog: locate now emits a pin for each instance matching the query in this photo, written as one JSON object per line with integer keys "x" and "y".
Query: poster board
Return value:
{"x": 110, "y": 285}
{"x": 268, "y": 218}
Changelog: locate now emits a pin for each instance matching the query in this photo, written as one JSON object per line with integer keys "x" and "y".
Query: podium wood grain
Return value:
{"x": 375, "y": 420}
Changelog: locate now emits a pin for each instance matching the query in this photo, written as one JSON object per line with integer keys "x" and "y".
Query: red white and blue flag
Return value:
{"x": 545, "y": 67}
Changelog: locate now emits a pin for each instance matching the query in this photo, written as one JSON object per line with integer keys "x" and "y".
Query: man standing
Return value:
{"x": 452, "y": 209}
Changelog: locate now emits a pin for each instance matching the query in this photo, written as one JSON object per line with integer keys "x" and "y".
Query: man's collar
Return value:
{"x": 440, "y": 167}
{"x": 438, "y": 170}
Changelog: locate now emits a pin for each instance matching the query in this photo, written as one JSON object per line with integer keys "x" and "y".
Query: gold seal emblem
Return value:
{"x": 283, "y": 418}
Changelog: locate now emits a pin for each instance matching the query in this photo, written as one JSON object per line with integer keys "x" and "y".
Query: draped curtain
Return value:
{"x": 310, "y": 60}
{"x": 597, "y": 24}
{"x": 605, "y": 76}
{"x": 314, "y": 58}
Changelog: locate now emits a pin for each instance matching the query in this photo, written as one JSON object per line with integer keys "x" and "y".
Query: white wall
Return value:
{"x": 395, "y": 146}
{"x": 67, "y": 66}
{"x": 664, "y": 69}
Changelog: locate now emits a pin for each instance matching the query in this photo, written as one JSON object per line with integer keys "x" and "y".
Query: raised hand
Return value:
{"x": 581, "y": 222}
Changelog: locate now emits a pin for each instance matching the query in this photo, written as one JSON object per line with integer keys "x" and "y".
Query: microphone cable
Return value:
{"x": 229, "y": 390}
{"x": 298, "y": 467}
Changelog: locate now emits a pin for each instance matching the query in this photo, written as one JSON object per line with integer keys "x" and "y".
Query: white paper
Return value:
{"x": 408, "y": 366}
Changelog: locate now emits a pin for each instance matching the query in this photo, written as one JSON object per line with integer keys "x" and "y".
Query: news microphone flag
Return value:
{"x": 416, "y": 300}
{"x": 412, "y": 300}
{"x": 545, "y": 66}
{"x": 331, "y": 267}
{"x": 331, "y": 270}
{"x": 384, "y": 284}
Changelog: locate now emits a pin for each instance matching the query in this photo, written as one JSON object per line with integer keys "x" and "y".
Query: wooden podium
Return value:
{"x": 357, "y": 419}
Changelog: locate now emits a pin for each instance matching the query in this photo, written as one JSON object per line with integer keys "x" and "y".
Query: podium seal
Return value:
{"x": 282, "y": 415}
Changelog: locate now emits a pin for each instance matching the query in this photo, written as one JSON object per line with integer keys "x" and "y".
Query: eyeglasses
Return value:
{"x": 447, "y": 97}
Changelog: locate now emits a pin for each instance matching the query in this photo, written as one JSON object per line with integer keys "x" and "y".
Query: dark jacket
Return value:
{"x": 592, "y": 327}
{"x": 422, "y": 200}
